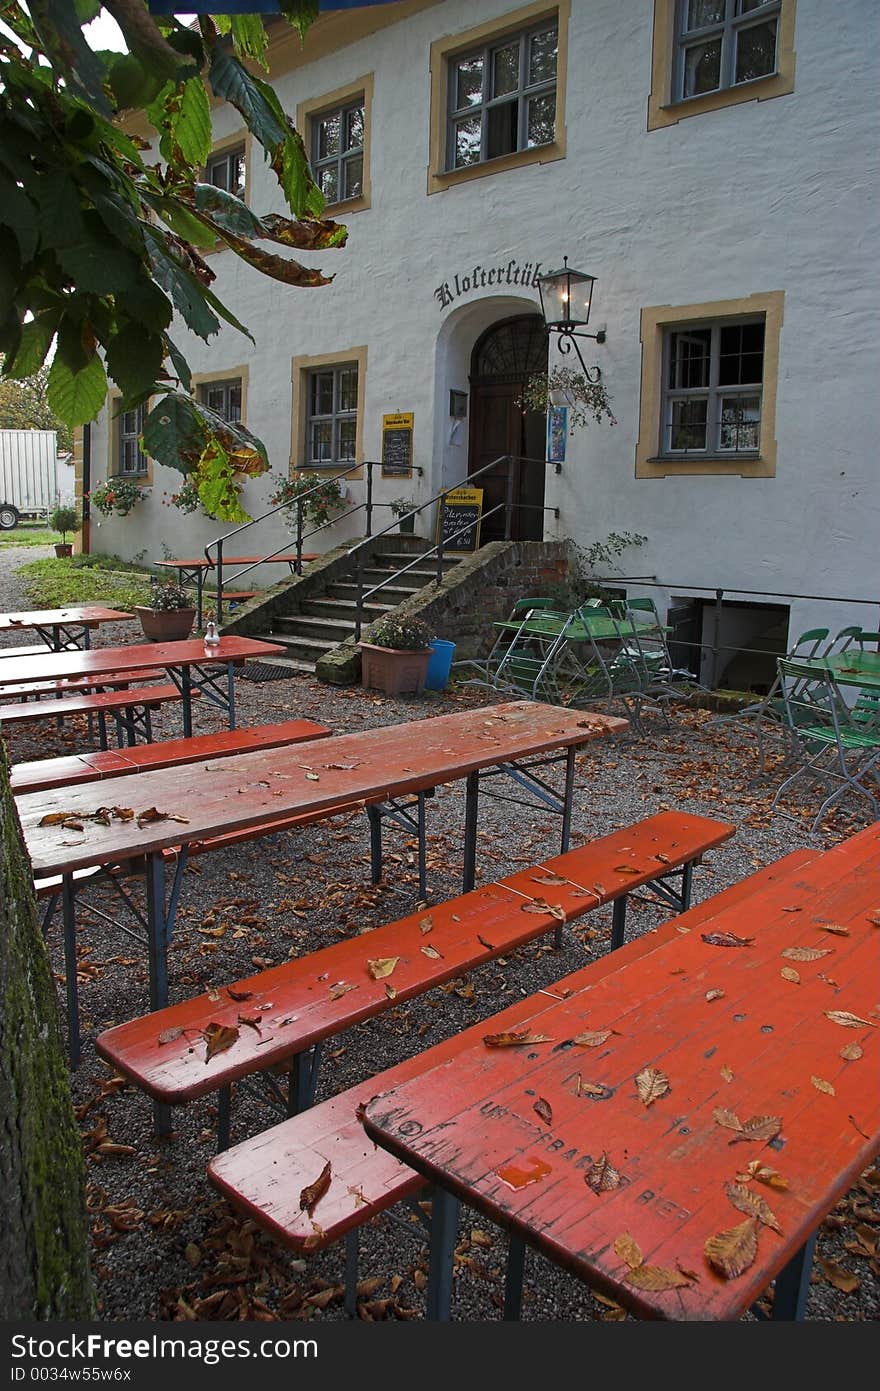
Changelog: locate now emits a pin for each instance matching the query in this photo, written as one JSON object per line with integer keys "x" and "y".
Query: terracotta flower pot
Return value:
{"x": 63, "y": 549}
{"x": 166, "y": 625}
{"x": 394, "y": 670}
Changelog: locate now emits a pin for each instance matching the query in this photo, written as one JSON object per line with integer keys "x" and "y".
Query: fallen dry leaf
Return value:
{"x": 629, "y": 1251}
{"x": 169, "y": 1035}
{"x": 651, "y": 1084}
{"x": 432, "y": 952}
{"x": 714, "y": 995}
{"x": 144, "y": 818}
{"x": 822, "y": 1086}
{"x": 762, "y": 1174}
{"x": 852, "y": 1052}
{"x": 540, "y": 905}
{"x": 543, "y": 1109}
{"x": 382, "y": 966}
{"x": 592, "y": 1038}
{"x": 807, "y": 953}
{"x": 655, "y": 1278}
{"x": 602, "y": 1175}
{"x": 732, "y": 1251}
{"x": 514, "y": 1040}
{"x": 752, "y": 1204}
{"x": 790, "y": 974}
{"x": 838, "y": 1276}
{"x": 849, "y": 1021}
{"x": 835, "y": 928}
{"x": 314, "y": 1192}
{"x": 339, "y": 989}
{"x": 426, "y": 925}
{"x": 548, "y": 878}
{"x": 218, "y": 1037}
{"x": 759, "y": 1128}
{"x": 727, "y": 1073}
{"x": 726, "y": 939}
{"x": 729, "y": 1119}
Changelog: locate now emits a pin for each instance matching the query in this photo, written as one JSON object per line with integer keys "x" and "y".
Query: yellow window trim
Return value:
{"x": 113, "y": 427}
{"x": 307, "y": 110}
{"x": 209, "y": 378}
{"x": 664, "y": 111}
{"x": 439, "y": 178}
{"x": 654, "y": 323}
{"x": 299, "y": 368}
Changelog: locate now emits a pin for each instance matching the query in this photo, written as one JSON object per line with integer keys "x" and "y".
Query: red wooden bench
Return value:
{"x": 265, "y": 1175}
{"x": 77, "y": 684}
{"x": 128, "y": 707}
{"x": 305, "y": 1001}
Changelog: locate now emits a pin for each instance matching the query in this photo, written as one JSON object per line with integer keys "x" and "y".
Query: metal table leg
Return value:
{"x": 793, "y": 1284}
{"x": 444, "y": 1234}
{"x": 68, "y": 908}
{"x": 472, "y": 796}
{"x": 157, "y": 949}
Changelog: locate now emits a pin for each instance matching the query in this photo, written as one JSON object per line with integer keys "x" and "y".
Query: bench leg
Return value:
{"x": 303, "y": 1080}
{"x": 49, "y": 914}
{"x": 513, "y": 1280}
{"x": 444, "y": 1234}
{"x": 68, "y": 908}
{"x": 157, "y": 944}
{"x": 423, "y": 848}
{"x": 224, "y": 1117}
{"x": 102, "y": 732}
{"x": 351, "y": 1272}
{"x": 472, "y": 796}
{"x": 568, "y": 799}
{"x": 230, "y": 693}
{"x": 375, "y": 821}
{"x": 687, "y": 880}
{"x": 792, "y": 1284}
{"x": 618, "y": 923}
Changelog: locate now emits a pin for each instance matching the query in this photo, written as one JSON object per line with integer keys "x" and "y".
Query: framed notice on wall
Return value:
{"x": 557, "y": 429}
{"x": 397, "y": 445}
{"x": 458, "y": 519}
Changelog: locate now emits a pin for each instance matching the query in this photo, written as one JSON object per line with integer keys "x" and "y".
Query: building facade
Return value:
{"x": 711, "y": 162}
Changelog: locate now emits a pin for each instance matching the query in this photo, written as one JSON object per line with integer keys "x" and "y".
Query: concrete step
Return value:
{"x": 333, "y": 630}
{"x": 305, "y": 649}
{"x": 326, "y": 607}
{"x": 412, "y": 579}
{"x": 393, "y": 560}
{"x": 388, "y": 597}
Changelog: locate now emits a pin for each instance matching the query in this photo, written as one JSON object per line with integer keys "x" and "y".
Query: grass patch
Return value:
{"x": 29, "y": 536}
{"x": 85, "y": 579}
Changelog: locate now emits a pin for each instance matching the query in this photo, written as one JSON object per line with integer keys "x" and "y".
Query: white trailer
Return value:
{"x": 28, "y": 475}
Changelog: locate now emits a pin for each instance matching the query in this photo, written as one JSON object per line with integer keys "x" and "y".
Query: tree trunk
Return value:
{"x": 44, "y": 1267}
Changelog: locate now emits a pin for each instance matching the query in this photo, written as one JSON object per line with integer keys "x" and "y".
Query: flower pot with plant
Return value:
{"x": 395, "y": 653}
{"x": 117, "y": 495}
{"x": 170, "y": 616}
{"x": 400, "y": 506}
{"x": 318, "y": 497}
{"x": 64, "y": 519}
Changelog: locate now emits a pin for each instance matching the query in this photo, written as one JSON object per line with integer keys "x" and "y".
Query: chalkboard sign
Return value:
{"x": 462, "y": 508}
{"x": 397, "y": 445}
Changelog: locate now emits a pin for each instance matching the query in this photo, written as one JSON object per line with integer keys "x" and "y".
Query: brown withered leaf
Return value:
{"x": 822, "y": 1086}
{"x": 849, "y": 1021}
{"x": 759, "y": 1128}
{"x": 727, "y": 1073}
{"x": 144, "y": 818}
{"x": 807, "y": 953}
{"x": 602, "y": 1175}
{"x": 732, "y": 1251}
{"x": 651, "y": 1084}
{"x": 169, "y": 1035}
{"x": 252, "y": 1021}
{"x": 714, "y": 994}
{"x": 725, "y": 939}
{"x": 626, "y": 869}
{"x": 390, "y": 992}
{"x": 852, "y": 1052}
{"x": 426, "y": 924}
{"x": 790, "y": 974}
{"x": 312, "y": 1194}
{"x": 339, "y": 989}
{"x": 543, "y": 1109}
{"x": 218, "y": 1037}
{"x": 540, "y": 905}
{"x": 629, "y": 1251}
{"x": 548, "y": 878}
{"x": 514, "y": 1040}
{"x": 752, "y": 1204}
{"x": 838, "y": 1276}
{"x": 592, "y": 1038}
{"x": 656, "y": 1278}
{"x": 483, "y": 943}
{"x": 591, "y": 1088}
{"x": 762, "y": 1174}
{"x": 238, "y": 995}
{"x": 432, "y": 952}
{"x": 874, "y": 919}
{"x": 382, "y": 966}
{"x": 313, "y": 777}
{"x": 729, "y": 1119}
{"x": 834, "y": 928}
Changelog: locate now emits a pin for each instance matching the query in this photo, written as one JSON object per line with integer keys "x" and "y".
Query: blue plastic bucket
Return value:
{"x": 439, "y": 664}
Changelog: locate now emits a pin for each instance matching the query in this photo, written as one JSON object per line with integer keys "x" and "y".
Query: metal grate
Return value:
{"x": 264, "y": 671}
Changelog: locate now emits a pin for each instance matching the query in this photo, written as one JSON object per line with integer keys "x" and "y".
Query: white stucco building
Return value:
{"x": 711, "y": 162}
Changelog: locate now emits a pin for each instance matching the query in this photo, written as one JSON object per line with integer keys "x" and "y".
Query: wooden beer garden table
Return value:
{"x": 61, "y": 629}
{"x": 310, "y": 779}
{"x": 632, "y": 1153}
{"x": 188, "y": 663}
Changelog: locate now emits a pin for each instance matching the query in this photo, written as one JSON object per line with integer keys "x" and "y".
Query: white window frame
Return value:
{"x": 226, "y": 385}
{"x": 344, "y": 157}
{"x": 728, "y": 29}
{"x": 335, "y": 417}
{"x": 127, "y": 436}
{"x": 523, "y": 94}
{"x": 714, "y": 394}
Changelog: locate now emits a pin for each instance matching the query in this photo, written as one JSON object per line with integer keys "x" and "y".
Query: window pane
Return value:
{"x": 347, "y": 438}
{"x": 688, "y": 425}
{"x": 322, "y": 393}
{"x": 321, "y": 442}
{"x": 740, "y": 422}
{"x": 542, "y": 119}
{"x": 237, "y": 169}
{"x": 355, "y": 129}
{"x": 354, "y": 177}
{"x": 218, "y": 173}
{"x": 348, "y": 389}
{"x": 702, "y": 12}
{"x": 506, "y": 75}
{"x": 328, "y": 135}
{"x": 702, "y": 68}
{"x": 542, "y": 57}
{"x": 503, "y": 122}
{"x": 755, "y": 51}
{"x": 689, "y": 359}
{"x": 215, "y": 398}
{"x": 467, "y": 142}
{"x": 129, "y": 423}
{"x": 741, "y": 354}
{"x": 747, "y": 6}
{"x": 328, "y": 180}
{"x": 469, "y": 83}
{"x": 233, "y": 403}
{"x": 128, "y": 456}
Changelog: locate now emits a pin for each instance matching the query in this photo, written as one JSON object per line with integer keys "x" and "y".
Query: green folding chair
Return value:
{"x": 770, "y": 709}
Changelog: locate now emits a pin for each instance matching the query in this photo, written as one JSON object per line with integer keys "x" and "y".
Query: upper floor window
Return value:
{"x": 723, "y": 43}
{"x": 713, "y": 377}
{"x": 223, "y": 397}
{"x": 130, "y": 458}
{"x": 331, "y": 418}
{"x": 502, "y": 97}
{"x": 226, "y": 169}
{"x": 338, "y": 151}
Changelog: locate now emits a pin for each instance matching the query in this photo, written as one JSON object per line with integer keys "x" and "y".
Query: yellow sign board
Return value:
{"x": 397, "y": 445}
{"x": 458, "y": 519}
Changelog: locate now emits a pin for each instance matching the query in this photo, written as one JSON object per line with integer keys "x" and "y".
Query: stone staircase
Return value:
{"x": 327, "y": 618}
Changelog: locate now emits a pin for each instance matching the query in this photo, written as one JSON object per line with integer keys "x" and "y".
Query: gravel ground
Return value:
{"x": 165, "y": 1246}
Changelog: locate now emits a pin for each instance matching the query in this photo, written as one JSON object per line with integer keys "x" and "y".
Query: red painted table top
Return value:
{"x": 263, "y": 786}
{"x": 48, "y": 618}
{"x": 48, "y": 666}
{"x": 520, "y": 1132}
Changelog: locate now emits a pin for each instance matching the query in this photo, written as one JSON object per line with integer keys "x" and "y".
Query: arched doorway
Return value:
{"x": 504, "y": 358}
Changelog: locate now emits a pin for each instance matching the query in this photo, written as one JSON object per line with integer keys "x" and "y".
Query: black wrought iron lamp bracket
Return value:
{"x": 568, "y": 339}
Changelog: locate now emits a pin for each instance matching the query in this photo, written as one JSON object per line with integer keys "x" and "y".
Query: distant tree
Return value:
{"x": 100, "y": 242}
{"x": 24, "y": 405}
